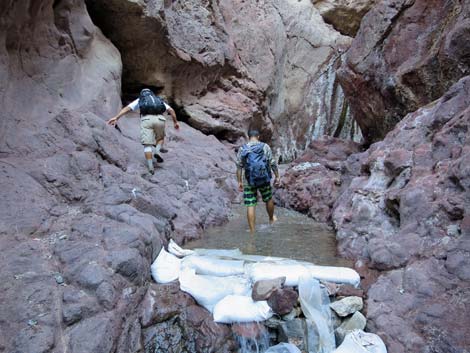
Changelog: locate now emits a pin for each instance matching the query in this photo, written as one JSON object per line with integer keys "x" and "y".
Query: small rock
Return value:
{"x": 347, "y": 306}
{"x": 282, "y": 301}
{"x": 332, "y": 288}
{"x": 58, "y": 278}
{"x": 292, "y": 315}
{"x": 106, "y": 295}
{"x": 32, "y": 322}
{"x": 355, "y": 322}
{"x": 346, "y": 290}
{"x": 263, "y": 289}
{"x": 295, "y": 332}
{"x": 273, "y": 323}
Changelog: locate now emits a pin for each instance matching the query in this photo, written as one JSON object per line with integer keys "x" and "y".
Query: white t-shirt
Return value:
{"x": 135, "y": 105}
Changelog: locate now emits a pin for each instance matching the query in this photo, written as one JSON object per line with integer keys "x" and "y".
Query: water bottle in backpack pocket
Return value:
{"x": 257, "y": 169}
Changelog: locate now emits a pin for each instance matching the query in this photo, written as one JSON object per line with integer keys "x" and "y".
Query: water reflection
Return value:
{"x": 294, "y": 236}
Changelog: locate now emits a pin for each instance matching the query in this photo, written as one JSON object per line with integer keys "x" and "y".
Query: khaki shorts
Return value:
{"x": 152, "y": 129}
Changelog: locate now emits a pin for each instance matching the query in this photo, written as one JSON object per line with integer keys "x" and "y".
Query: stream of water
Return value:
{"x": 294, "y": 236}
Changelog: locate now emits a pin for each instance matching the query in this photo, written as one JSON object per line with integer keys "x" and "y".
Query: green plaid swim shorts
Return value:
{"x": 250, "y": 194}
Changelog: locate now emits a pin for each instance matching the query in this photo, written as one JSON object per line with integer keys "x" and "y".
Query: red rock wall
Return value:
{"x": 407, "y": 214}
{"x": 405, "y": 55}
{"x": 401, "y": 209}
{"x": 80, "y": 219}
{"x": 236, "y": 64}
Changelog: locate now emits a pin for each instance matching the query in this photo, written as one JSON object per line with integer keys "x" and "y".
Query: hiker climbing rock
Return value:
{"x": 152, "y": 124}
{"x": 255, "y": 160}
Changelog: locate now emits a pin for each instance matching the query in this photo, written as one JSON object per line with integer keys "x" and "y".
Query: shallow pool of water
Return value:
{"x": 294, "y": 236}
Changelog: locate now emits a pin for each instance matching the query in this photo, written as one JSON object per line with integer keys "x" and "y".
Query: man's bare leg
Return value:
{"x": 149, "y": 158}
{"x": 251, "y": 214}
{"x": 158, "y": 148}
{"x": 270, "y": 210}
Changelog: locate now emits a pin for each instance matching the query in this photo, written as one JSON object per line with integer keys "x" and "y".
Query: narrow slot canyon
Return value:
{"x": 365, "y": 105}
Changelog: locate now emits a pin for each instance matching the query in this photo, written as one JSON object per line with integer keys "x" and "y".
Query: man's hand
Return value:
{"x": 177, "y": 126}
{"x": 240, "y": 187}
{"x": 277, "y": 182}
{"x": 112, "y": 121}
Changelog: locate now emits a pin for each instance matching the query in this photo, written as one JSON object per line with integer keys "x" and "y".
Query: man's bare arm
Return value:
{"x": 173, "y": 116}
{"x": 239, "y": 179}
{"x": 114, "y": 120}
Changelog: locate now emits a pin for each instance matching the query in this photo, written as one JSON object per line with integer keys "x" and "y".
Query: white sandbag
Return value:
{"x": 166, "y": 267}
{"x": 333, "y": 274}
{"x": 271, "y": 270}
{"x": 283, "y": 348}
{"x": 213, "y": 266}
{"x": 359, "y": 341}
{"x": 240, "y": 308}
{"x": 315, "y": 306}
{"x": 258, "y": 258}
{"x": 208, "y": 290}
{"x": 218, "y": 252}
{"x": 176, "y": 250}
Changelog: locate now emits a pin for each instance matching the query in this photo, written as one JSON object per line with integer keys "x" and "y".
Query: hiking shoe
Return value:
{"x": 158, "y": 158}
{"x": 152, "y": 171}
{"x": 163, "y": 150}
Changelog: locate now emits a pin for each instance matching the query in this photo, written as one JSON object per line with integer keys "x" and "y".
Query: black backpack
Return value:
{"x": 150, "y": 104}
{"x": 257, "y": 170}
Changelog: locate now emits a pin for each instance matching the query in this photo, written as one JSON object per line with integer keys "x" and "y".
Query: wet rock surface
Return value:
{"x": 406, "y": 55}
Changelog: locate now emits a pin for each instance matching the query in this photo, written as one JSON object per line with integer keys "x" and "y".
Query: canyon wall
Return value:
{"x": 400, "y": 208}
{"x": 80, "y": 218}
{"x": 229, "y": 65}
{"x": 406, "y": 54}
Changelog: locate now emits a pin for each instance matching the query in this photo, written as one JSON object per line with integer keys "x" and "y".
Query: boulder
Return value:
{"x": 356, "y": 322}
{"x": 263, "y": 289}
{"x": 162, "y": 302}
{"x": 282, "y": 301}
{"x": 347, "y": 306}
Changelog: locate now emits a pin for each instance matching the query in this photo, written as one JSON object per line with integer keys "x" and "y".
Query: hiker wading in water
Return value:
{"x": 152, "y": 124}
{"x": 255, "y": 160}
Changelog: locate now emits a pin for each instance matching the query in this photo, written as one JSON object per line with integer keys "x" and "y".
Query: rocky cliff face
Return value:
{"x": 407, "y": 214}
{"x": 406, "y": 55}
{"x": 401, "y": 209}
{"x": 230, "y": 65}
{"x": 80, "y": 219}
